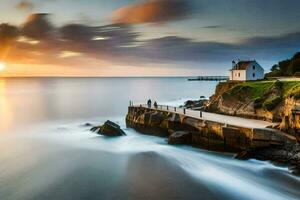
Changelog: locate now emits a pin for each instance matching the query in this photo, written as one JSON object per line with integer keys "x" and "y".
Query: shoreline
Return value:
{"x": 258, "y": 143}
{"x": 235, "y": 131}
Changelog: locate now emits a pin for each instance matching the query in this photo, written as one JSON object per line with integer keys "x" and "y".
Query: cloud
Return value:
{"x": 37, "y": 26}
{"x": 105, "y": 40}
{"x": 45, "y": 43}
{"x": 8, "y": 33}
{"x": 151, "y": 11}
{"x": 24, "y": 5}
{"x": 77, "y": 32}
{"x": 174, "y": 48}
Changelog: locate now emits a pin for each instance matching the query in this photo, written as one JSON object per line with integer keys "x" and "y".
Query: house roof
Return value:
{"x": 242, "y": 65}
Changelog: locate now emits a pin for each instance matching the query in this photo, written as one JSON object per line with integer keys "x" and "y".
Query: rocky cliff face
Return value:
{"x": 270, "y": 100}
{"x": 291, "y": 117}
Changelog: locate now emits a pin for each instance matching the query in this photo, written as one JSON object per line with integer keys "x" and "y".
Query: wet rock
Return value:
{"x": 109, "y": 128}
{"x": 87, "y": 125}
{"x": 243, "y": 155}
{"x": 195, "y": 104}
{"x": 180, "y": 137}
{"x": 287, "y": 155}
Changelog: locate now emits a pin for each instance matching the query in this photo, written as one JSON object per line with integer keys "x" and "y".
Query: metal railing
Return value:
{"x": 178, "y": 110}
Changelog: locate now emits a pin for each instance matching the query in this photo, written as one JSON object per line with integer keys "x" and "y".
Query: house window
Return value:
{"x": 239, "y": 74}
{"x": 253, "y": 67}
{"x": 253, "y": 75}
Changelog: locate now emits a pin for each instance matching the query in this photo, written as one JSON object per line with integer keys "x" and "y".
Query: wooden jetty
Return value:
{"x": 209, "y": 78}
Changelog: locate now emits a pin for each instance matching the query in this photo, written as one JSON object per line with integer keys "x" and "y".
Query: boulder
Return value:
{"x": 195, "y": 104}
{"x": 288, "y": 155}
{"x": 180, "y": 137}
{"x": 109, "y": 128}
{"x": 87, "y": 125}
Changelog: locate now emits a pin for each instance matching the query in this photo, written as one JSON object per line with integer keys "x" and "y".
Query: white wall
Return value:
{"x": 257, "y": 70}
{"x": 238, "y": 75}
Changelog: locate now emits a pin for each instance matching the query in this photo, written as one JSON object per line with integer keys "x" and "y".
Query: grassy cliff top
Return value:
{"x": 258, "y": 89}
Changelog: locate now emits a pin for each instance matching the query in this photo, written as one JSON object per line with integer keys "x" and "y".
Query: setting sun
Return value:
{"x": 2, "y": 66}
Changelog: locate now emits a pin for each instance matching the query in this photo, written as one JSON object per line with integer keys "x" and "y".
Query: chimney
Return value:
{"x": 233, "y": 63}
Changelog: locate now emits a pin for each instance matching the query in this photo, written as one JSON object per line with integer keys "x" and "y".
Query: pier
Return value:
{"x": 225, "y": 119}
{"x": 209, "y": 78}
{"x": 207, "y": 130}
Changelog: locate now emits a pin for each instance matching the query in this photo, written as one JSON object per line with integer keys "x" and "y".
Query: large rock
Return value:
{"x": 109, "y": 128}
{"x": 195, "y": 104}
{"x": 180, "y": 137}
{"x": 288, "y": 155}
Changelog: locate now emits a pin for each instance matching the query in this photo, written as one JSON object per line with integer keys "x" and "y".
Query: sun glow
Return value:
{"x": 2, "y": 66}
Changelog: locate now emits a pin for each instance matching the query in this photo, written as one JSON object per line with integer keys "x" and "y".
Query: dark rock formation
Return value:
{"x": 87, "y": 125}
{"x": 291, "y": 117}
{"x": 195, "y": 104}
{"x": 288, "y": 154}
{"x": 109, "y": 128}
{"x": 180, "y": 137}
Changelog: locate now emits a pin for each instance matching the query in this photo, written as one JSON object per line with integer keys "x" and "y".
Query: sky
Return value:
{"x": 144, "y": 37}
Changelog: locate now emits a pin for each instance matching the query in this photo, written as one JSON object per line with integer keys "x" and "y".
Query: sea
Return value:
{"x": 47, "y": 152}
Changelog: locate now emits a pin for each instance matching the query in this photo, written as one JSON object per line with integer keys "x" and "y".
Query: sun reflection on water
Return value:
{"x": 6, "y": 115}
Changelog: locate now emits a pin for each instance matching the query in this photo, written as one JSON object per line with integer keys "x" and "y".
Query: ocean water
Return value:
{"x": 46, "y": 152}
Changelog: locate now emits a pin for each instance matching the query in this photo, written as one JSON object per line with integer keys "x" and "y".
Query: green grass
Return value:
{"x": 291, "y": 88}
{"x": 266, "y": 94}
{"x": 270, "y": 104}
{"x": 257, "y": 89}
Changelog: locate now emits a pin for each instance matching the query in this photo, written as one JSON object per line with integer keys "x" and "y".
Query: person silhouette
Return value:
{"x": 155, "y": 105}
{"x": 149, "y": 103}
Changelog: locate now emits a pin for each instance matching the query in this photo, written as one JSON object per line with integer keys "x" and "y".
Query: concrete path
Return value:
{"x": 231, "y": 120}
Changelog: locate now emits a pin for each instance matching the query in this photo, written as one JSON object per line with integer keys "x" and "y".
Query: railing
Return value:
{"x": 184, "y": 111}
{"x": 230, "y": 120}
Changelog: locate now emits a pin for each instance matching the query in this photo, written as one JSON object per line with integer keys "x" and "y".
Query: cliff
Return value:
{"x": 277, "y": 101}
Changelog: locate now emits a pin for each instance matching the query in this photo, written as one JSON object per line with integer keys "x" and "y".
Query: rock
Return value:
{"x": 287, "y": 155}
{"x": 195, "y": 103}
{"x": 243, "y": 155}
{"x": 95, "y": 128}
{"x": 87, "y": 125}
{"x": 180, "y": 137}
{"x": 295, "y": 169}
{"x": 109, "y": 128}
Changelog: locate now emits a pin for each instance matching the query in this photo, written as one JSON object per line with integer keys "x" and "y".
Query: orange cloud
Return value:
{"x": 25, "y": 5}
{"x": 153, "y": 11}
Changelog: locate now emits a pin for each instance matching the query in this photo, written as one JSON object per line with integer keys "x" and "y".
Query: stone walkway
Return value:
{"x": 231, "y": 120}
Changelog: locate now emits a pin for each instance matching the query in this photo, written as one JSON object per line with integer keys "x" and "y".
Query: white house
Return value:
{"x": 246, "y": 71}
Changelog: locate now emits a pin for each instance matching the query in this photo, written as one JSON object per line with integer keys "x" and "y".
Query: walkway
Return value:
{"x": 231, "y": 120}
